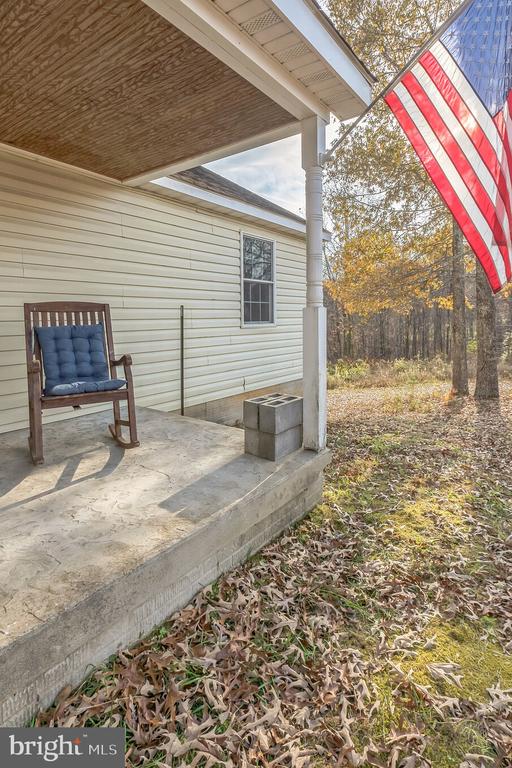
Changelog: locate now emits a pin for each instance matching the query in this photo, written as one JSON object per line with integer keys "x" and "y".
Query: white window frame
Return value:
{"x": 262, "y": 323}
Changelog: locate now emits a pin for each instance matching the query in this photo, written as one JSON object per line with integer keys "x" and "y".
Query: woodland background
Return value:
{"x": 389, "y": 287}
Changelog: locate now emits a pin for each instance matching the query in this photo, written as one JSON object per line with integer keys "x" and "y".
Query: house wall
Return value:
{"x": 65, "y": 235}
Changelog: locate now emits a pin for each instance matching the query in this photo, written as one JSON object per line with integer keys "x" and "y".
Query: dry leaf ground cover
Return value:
{"x": 378, "y": 632}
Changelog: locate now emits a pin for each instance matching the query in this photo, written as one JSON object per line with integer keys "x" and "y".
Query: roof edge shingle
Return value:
{"x": 213, "y": 182}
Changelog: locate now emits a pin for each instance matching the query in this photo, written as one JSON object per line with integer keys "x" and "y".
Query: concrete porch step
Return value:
{"x": 100, "y": 544}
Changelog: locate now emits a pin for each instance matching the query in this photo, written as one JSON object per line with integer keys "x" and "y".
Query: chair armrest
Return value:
{"x": 124, "y": 360}
{"x": 34, "y": 367}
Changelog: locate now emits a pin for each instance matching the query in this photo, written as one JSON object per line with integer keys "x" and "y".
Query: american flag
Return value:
{"x": 455, "y": 106}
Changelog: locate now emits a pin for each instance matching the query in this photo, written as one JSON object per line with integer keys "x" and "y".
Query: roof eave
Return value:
{"x": 331, "y": 28}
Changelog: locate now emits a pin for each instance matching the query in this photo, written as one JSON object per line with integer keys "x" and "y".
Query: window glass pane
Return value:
{"x": 255, "y": 292}
{"x": 258, "y": 302}
{"x": 257, "y": 258}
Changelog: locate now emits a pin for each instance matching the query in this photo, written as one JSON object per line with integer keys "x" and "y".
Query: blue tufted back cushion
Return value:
{"x": 72, "y": 353}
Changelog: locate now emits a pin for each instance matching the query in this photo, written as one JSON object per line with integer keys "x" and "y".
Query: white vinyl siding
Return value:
{"x": 65, "y": 235}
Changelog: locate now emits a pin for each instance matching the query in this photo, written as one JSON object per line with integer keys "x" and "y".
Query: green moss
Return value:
{"x": 447, "y": 742}
{"x": 482, "y": 662}
{"x": 429, "y": 517}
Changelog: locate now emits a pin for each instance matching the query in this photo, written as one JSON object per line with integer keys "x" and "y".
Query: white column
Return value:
{"x": 314, "y": 320}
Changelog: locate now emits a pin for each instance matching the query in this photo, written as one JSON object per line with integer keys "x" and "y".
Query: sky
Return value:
{"x": 273, "y": 171}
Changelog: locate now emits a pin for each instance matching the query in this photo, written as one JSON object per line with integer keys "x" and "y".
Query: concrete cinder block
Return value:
{"x": 251, "y": 408}
{"x": 252, "y": 441}
{"x": 280, "y": 414}
{"x": 273, "y": 425}
{"x": 251, "y": 411}
{"x": 276, "y": 447}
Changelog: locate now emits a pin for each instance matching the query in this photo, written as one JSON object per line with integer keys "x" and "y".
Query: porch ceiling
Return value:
{"x": 115, "y": 88}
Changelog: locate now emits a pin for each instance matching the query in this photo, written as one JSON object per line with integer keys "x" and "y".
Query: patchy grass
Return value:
{"x": 386, "y": 373}
{"x": 375, "y": 633}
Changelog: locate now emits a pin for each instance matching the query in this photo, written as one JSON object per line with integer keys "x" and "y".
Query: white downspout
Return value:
{"x": 314, "y": 319}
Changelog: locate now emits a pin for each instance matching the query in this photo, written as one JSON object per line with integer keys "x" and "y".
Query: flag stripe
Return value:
{"x": 451, "y": 187}
{"x": 453, "y": 178}
{"x": 506, "y": 146}
{"x": 467, "y": 93}
{"x": 460, "y": 163}
{"x": 446, "y": 190}
{"x": 488, "y": 151}
{"x": 479, "y": 114}
{"x": 485, "y": 163}
{"x": 454, "y": 104}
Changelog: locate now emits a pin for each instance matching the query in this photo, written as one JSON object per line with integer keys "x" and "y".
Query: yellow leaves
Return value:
{"x": 373, "y": 273}
{"x": 445, "y": 302}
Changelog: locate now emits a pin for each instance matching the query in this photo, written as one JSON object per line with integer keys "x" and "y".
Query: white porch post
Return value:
{"x": 314, "y": 321}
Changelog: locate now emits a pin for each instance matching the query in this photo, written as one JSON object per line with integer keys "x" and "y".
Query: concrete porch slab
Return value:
{"x": 100, "y": 544}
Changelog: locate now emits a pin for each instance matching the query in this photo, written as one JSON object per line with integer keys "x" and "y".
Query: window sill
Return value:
{"x": 258, "y": 325}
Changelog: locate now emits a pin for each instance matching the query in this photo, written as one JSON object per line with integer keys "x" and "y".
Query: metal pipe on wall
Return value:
{"x": 182, "y": 359}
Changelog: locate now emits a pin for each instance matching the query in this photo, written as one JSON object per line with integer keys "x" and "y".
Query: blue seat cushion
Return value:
{"x": 79, "y": 387}
{"x": 74, "y": 360}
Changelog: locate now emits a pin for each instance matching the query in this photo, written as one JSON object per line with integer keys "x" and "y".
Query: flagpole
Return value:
{"x": 437, "y": 34}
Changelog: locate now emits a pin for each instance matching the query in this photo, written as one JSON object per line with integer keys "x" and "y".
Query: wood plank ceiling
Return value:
{"x": 113, "y": 88}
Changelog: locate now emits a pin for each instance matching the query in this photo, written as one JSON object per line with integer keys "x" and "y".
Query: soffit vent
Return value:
{"x": 317, "y": 77}
{"x": 259, "y": 23}
{"x": 301, "y": 49}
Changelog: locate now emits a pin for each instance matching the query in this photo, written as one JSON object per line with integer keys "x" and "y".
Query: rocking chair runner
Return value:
{"x": 67, "y": 340}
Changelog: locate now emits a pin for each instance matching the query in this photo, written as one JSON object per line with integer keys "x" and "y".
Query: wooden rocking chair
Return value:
{"x": 81, "y": 363}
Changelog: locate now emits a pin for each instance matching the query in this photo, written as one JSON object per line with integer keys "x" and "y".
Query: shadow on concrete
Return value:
{"x": 219, "y": 488}
{"x": 65, "y": 479}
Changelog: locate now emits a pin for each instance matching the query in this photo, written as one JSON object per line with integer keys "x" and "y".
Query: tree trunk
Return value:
{"x": 459, "y": 337}
{"x": 508, "y": 350}
{"x": 438, "y": 331}
{"x": 338, "y": 331}
{"x": 382, "y": 334}
{"x": 348, "y": 338}
{"x": 487, "y": 359}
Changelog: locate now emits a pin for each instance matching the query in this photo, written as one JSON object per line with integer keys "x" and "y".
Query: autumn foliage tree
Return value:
{"x": 392, "y": 244}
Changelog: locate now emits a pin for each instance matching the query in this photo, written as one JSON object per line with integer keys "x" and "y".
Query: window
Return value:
{"x": 258, "y": 267}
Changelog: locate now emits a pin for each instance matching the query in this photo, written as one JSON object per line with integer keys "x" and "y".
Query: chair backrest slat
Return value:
{"x": 65, "y": 313}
